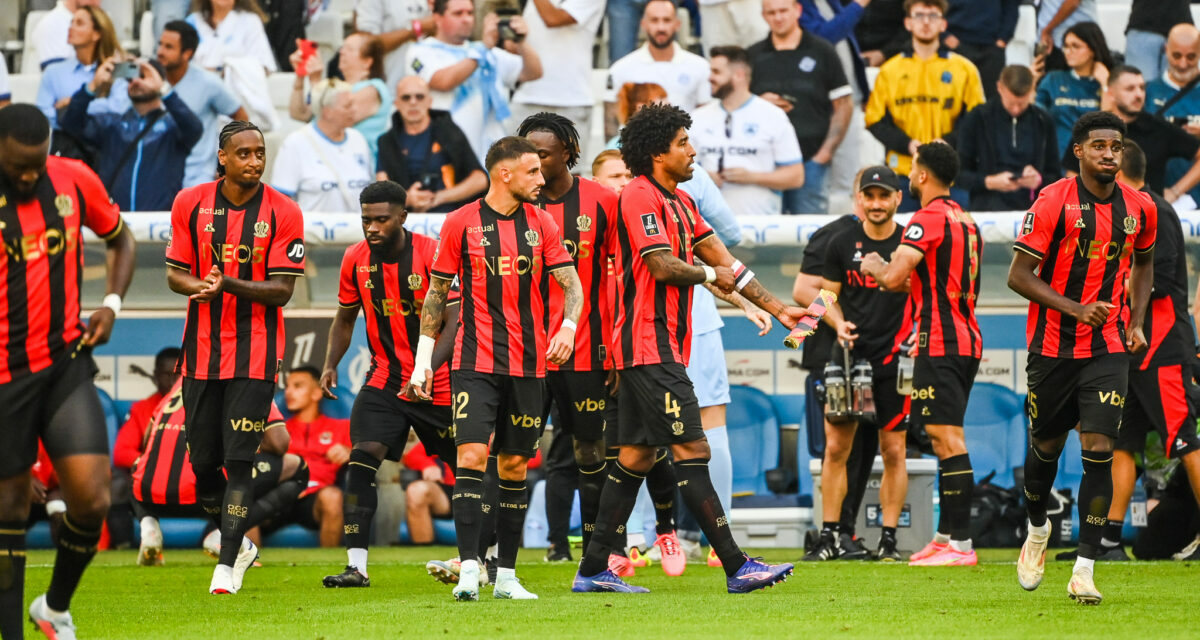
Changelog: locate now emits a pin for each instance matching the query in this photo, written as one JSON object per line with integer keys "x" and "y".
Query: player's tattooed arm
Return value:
{"x": 759, "y": 317}
{"x": 1023, "y": 280}
{"x": 443, "y": 349}
{"x": 568, "y": 279}
{"x": 713, "y": 252}
{"x": 340, "y": 332}
{"x": 668, "y": 269}
{"x": 434, "y": 306}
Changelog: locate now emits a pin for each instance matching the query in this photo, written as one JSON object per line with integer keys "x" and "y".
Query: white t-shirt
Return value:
{"x": 468, "y": 104}
{"x": 50, "y": 36}
{"x": 382, "y": 16}
{"x": 301, "y": 173}
{"x": 760, "y": 139}
{"x": 240, "y": 34}
{"x": 566, "y": 55}
{"x": 685, "y": 77}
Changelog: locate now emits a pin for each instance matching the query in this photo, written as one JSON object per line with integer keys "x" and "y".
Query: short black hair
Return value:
{"x": 24, "y": 123}
{"x": 309, "y": 369}
{"x": 167, "y": 354}
{"x": 384, "y": 191}
{"x": 1092, "y": 121}
{"x": 229, "y": 131}
{"x": 559, "y": 126}
{"x": 649, "y": 133}
{"x": 734, "y": 54}
{"x": 507, "y": 148}
{"x": 940, "y": 159}
{"x": 1133, "y": 162}
{"x": 188, "y": 38}
{"x": 439, "y": 6}
{"x": 1121, "y": 70}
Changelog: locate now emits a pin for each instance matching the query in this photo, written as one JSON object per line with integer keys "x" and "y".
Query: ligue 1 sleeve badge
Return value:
{"x": 1130, "y": 224}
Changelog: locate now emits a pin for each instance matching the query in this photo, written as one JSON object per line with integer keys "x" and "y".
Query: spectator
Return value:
{"x": 800, "y": 73}
{"x": 920, "y": 95}
{"x": 230, "y": 29}
{"x": 1055, "y": 17}
{"x": 94, "y": 39}
{"x": 427, "y": 151}
{"x": 324, "y": 443}
{"x": 1007, "y": 147}
{"x": 128, "y": 444}
{"x": 143, "y": 151}
{"x": 567, "y": 28}
{"x": 1066, "y": 95}
{"x": 683, "y": 74}
{"x": 609, "y": 170}
{"x": 1159, "y": 139}
{"x": 204, "y": 94}
{"x": 428, "y": 497}
{"x": 324, "y": 165}
{"x": 730, "y": 22}
{"x": 745, "y": 142}
{"x": 168, "y": 11}
{"x": 469, "y": 79}
{"x": 50, "y": 36}
{"x": 1174, "y": 95}
{"x": 622, "y": 27}
{"x": 398, "y": 23}
{"x": 1150, "y": 25}
{"x": 631, "y": 97}
{"x": 980, "y": 30}
{"x": 877, "y": 34}
{"x": 360, "y": 60}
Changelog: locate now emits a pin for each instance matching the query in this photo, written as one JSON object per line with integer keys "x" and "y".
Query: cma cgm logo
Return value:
{"x": 505, "y": 265}
{"x": 240, "y": 253}
{"x": 48, "y": 242}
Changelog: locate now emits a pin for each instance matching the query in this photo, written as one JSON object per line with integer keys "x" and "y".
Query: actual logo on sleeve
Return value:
{"x": 1027, "y": 226}
{"x": 650, "y": 224}
{"x": 533, "y": 238}
{"x": 262, "y": 229}
{"x": 914, "y": 232}
{"x": 295, "y": 251}
{"x": 65, "y": 206}
{"x": 1130, "y": 225}
{"x": 414, "y": 281}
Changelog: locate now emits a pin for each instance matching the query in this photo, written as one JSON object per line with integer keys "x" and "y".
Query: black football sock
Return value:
{"x": 591, "y": 485}
{"x": 489, "y": 508}
{"x": 239, "y": 496}
{"x": 76, "y": 548}
{"x": 362, "y": 497}
{"x": 958, "y": 483}
{"x": 701, "y": 499}
{"x": 210, "y": 491}
{"x": 1111, "y": 536}
{"x": 510, "y": 521}
{"x": 12, "y": 579}
{"x": 467, "y": 506}
{"x": 889, "y": 533}
{"x": 278, "y": 500}
{"x": 616, "y": 503}
{"x": 662, "y": 484}
{"x": 858, "y": 476}
{"x": 830, "y": 528}
{"x": 1095, "y": 496}
{"x": 1040, "y": 471}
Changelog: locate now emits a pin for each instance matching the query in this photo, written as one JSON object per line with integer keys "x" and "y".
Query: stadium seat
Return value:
{"x": 443, "y": 532}
{"x": 1196, "y": 13}
{"x": 1112, "y": 19}
{"x": 29, "y": 57}
{"x": 180, "y": 533}
{"x": 147, "y": 43}
{"x": 1020, "y": 49}
{"x": 38, "y": 536}
{"x": 328, "y": 32}
{"x": 122, "y": 14}
{"x": 111, "y": 417}
{"x": 995, "y": 416}
{"x": 753, "y": 439}
{"x": 122, "y": 410}
{"x": 25, "y": 86}
{"x": 10, "y": 23}
{"x": 292, "y": 535}
{"x": 279, "y": 84}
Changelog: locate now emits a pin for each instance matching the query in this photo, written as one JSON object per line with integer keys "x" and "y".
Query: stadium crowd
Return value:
{"x": 441, "y": 106}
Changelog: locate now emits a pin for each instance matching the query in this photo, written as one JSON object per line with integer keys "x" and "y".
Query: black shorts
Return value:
{"x": 506, "y": 406}
{"x": 579, "y": 399}
{"x": 658, "y": 406}
{"x": 1064, "y": 392}
{"x": 58, "y": 404}
{"x": 1158, "y": 399}
{"x": 225, "y": 418}
{"x": 380, "y": 416}
{"x": 891, "y": 408}
{"x": 941, "y": 386}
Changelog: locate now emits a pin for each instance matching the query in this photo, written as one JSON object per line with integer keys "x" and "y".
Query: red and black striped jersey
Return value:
{"x": 945, "y": 284}
{"x": 41, "y": 266}
{"x": 394, "y": 292}
{"x": 498, "y": 260}
{"x": 162, "y": 474}
{"x": 232, "y": 337}
{"x": 653, "y": 323}
{"x": 1084, "y": 245}
{"x": 1170, "y": 337}
{"x": 585, "y": 216}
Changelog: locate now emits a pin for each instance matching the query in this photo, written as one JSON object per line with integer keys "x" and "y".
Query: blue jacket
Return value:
{"x": 836, "y": 29}
{"x": 153, "y": 173}
{"x": 983, "y": 22}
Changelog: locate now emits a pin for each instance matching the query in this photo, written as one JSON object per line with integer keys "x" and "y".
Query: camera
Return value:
{"x": 428, "y": 181}
{"x": 505, "y": 26}
{"x": 127, "y": 70}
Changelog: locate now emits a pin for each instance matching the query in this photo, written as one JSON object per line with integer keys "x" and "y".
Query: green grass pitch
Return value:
{"x": 284, "y": 599}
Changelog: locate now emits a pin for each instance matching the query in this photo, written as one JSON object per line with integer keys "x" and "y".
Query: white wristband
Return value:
{"x": 55, "y": 506}
{"x": 112, "y": 301}
{"x": 567, "y": 323}
{"x": 423, "y": 360}
{"x": 710, "y": 274}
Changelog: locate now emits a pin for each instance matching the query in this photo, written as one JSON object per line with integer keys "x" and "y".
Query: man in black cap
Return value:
{"x": 872, "y": 324}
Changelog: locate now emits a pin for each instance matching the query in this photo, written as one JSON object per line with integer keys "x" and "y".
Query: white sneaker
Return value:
{"x": 212, "y": 544}
{"x": 692, "y": 549}
{"x": 1082, "y": 588}
{"x": 56, "y": 625}
{"x": 1031, "y": 564}
{"x": 222, "y": 581}
{"x": 1189, "y": 550}
{"x": 245, "y": 560}
{"x": 150, "y": 553}
{"x": 654, "y": 554}
{"x": 467, "y": 589}
{"x": 510, "y": 588}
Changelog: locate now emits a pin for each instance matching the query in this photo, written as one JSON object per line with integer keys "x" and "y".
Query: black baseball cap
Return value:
{"x": 879, "y": 176}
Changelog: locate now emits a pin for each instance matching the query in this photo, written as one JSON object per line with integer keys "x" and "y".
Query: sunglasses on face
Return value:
{"x": 413, "y": 97}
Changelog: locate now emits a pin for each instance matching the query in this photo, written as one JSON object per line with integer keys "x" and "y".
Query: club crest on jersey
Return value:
{"x": 414, "y": 281}
{"x": 3, "y": 202}
{"x": 677, "y": 428}
{"x": 65, "y": 205}
{"x": 533, "y": 238}
{"x": 584, "y": 222}
{"x": 208, "y": 228}
{"x": 1130, "y": 224}
{"x": 261, "y": 229}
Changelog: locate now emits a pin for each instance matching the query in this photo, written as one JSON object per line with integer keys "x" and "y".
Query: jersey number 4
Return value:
{"x": 670, "y": 407}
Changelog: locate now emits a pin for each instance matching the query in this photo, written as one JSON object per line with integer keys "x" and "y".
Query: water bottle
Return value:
{"x": 837, "y": 392}
{"x": 862, "y": 405}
